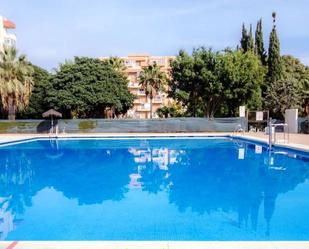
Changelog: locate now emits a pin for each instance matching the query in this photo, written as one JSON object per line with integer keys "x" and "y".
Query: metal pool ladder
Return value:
{"x": 272, "y": 137}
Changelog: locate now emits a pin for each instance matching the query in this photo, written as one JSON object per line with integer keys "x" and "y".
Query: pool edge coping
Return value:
{"x": 290, "y": 146}
{"x": 26, "y": 138}
{"x": 153, "y": 244}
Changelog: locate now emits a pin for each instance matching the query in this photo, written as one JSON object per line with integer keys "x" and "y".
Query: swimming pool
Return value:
{"x": 152, "y": 189}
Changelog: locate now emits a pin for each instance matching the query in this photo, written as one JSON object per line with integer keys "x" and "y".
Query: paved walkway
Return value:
{"x": 296, "y": 141}
{"x": 294, "y": 138}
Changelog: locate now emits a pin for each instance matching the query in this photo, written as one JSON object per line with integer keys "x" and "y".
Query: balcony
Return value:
{"x": 134, "y": 70}
{"x": 9, "y": 40}
{"x": 133, "y": 85}
{"x": 132, "y": 64}
{"x": 141, "y": 93}
{"x": 157, "y": 99}
{"x": 158, "y": 61}
{"x": 144, "y": 108}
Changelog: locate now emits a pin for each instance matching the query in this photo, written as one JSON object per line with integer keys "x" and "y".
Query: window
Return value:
{"x": 9, "y": 42}
{"x": 130, "y": 63}
{"x": 158, "y": 61}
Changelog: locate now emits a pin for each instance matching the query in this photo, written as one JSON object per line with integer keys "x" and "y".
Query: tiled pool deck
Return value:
{"x": 297, "y": 141}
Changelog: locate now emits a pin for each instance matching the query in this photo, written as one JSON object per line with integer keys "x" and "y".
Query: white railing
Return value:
{"x": 157, "y": 99}
{"x": 132, "y": 84}
{"x": 143, "y": 108}
{"x": 141, "y": 92}
{"x": 272, "y": 134}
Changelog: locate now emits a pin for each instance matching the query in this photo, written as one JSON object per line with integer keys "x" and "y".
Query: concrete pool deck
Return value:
{"x": 152, "y": 245}
{"x": 296, "y": 141}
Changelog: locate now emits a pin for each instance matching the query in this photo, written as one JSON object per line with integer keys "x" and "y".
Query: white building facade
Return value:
{"x": 7, "y": 39}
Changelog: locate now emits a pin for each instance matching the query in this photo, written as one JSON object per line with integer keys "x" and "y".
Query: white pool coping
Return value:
{"x": 292, "y": 146}
{"x": 153, "y": 245}
{"x": 4, "y": 139}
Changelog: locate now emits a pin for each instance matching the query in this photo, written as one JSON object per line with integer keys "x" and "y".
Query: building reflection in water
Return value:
{"x": 244, "y": 187}
{"x": 6, "y": 219}
{"x": 241, "y": 179}
{"x": 16, "y": 177}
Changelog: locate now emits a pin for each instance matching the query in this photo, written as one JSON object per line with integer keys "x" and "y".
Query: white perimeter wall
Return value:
{"x": 291, "y": 118}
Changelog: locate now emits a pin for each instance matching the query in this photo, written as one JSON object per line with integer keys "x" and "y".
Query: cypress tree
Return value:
{"x": 259, "y": 42}
{"x": 244, "y": 38}
{"x": 250, "y": 40}
{"x": 274, "y": 58}
{"x": 246, "y": 42}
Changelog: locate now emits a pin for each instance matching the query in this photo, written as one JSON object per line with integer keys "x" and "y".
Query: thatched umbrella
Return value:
{"x": 52, "y": 113}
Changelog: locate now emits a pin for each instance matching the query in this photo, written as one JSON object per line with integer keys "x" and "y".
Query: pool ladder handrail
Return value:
{"x": 239, "y": 129}
{"x": 272, "y": 138}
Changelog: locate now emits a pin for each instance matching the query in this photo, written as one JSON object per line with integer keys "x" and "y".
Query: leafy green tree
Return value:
{"x": 244, "y": 75}
{"x": 274, "y": 58}
{"x": 184, "y": 87}
{"x": 259, "y": 42}
{"x": 86, "y": 88}
{"x": 283, "y": 94}
{"x": 171, "y": 111}
{"x": 152, "y": 80}
{"x": 208, "y": 73}
{"x": 292, "y": 67}
{"x": 41, "y": 87}
{"x": 218, "y": 81}
{"x": 15, "y": 82}
{"x": 292, "y": 90}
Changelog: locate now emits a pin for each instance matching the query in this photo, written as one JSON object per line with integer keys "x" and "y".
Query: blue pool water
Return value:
{"x": 152, "y": 189}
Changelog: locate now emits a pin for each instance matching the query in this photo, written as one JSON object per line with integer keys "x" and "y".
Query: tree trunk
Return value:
{"x": 151, "y": 107}
{"x": 194, "y": 104}
{"x": 11, "y": 109}
{"x": 206, "y": 112}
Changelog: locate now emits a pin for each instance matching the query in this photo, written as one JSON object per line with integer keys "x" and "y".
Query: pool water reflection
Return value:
{"x": 143, "y": 189}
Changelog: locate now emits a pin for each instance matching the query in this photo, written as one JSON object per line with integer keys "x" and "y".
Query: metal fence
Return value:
{"x": 122, "y": 125}
{"x": 303, "y": 125}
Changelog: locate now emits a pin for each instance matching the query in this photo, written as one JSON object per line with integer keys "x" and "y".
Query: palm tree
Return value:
{"x": 15, "y": 81}
{"x": 152, "y": 80}
{"x": 117, "y": 63}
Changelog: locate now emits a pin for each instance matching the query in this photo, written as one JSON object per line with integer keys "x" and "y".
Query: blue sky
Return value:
{"x": 50, "y": 31}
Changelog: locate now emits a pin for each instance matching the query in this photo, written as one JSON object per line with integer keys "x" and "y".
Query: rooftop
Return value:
{"x": 8, "y": 24}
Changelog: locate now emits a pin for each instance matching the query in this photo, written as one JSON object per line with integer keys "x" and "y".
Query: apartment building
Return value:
{"x": 7, "y": 39}
{"x": 134, "y": 65}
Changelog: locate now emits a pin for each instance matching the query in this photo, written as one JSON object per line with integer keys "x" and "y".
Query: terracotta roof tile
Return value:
{"x": 9, "y": 24}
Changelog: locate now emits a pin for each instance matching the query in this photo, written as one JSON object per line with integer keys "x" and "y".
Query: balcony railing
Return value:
{"x": 143, "y": 109}
{"x": 141, "y": 92}
{"x": 10, "y": 40}
{"x": 133, "y": 85}
{"x": 132, "y": 64}
{"x": 158, "y": 61}
{"x": 157, "y": 99}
